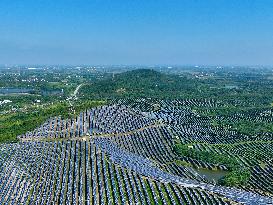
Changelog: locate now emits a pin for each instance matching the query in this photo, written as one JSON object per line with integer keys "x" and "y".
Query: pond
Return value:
{"x": 211, "y": 174}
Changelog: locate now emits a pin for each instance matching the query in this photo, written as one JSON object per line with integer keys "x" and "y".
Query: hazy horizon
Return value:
{"x": 184, "y": 33}
{"x": 135, "y": 66}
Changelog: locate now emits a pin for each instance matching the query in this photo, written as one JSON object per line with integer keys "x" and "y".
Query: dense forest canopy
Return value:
{"x": 140, "y": 83}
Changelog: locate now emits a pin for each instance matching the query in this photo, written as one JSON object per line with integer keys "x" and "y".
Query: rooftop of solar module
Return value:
{"x": 144, "y": 143}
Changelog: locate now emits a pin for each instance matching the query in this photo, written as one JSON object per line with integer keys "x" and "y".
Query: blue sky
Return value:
{"x": 211, "y": 32}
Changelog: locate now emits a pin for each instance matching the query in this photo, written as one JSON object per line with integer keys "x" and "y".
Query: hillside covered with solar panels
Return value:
{"x": 153, "y": 138}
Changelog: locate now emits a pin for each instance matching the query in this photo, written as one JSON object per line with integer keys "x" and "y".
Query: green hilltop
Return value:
{"x": 140, "y": 83}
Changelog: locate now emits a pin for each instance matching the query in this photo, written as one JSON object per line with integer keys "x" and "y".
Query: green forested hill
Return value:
{"x": 141, "y": 83}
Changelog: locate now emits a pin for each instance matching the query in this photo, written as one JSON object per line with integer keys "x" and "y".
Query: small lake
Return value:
{"x": 15, "y": 90}
{"x": 7, "y": 91}
{"x": 211, "y": 174}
